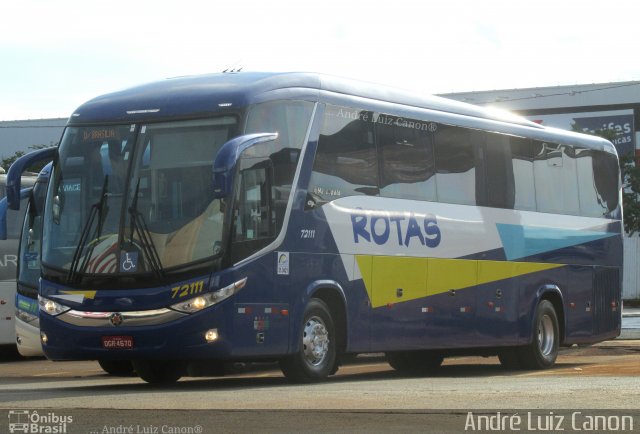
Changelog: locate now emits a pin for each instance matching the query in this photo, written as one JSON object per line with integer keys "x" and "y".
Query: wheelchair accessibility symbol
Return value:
{"x": 128, "y": 262}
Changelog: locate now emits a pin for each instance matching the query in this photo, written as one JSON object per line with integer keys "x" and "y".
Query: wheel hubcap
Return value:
{"x": 315, "y": 341}
{"x": 546, "y": 335}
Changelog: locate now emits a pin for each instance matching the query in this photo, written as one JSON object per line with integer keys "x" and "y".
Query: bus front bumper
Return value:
{"x": 202, "y": 335}
{"x": 28, "y": 339}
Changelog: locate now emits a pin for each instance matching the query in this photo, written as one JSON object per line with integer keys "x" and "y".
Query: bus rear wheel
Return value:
{"x": 414, "y": 362}
{"x": 316, "y": 358}
{"x": 118, "y": 368}
{"x": 542, "y": 352}
{"x": 158, "y": 371}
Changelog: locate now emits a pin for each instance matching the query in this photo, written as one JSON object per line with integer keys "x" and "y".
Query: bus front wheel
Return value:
{"x": 158, "y": 371}
{"x": 316, "y": 358}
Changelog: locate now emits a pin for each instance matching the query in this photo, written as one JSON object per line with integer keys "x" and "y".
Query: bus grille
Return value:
{"x": 606, "y": 291}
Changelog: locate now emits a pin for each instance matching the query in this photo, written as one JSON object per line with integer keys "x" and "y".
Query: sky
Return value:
{"x": 55, "y": 55}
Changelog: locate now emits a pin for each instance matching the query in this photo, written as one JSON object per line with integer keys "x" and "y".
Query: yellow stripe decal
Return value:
{"x": 417, "y": 278}
{"x": 87, "y": 294}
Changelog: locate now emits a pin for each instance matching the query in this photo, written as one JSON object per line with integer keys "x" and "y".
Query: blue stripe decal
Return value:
{"x": 524, "y": 241}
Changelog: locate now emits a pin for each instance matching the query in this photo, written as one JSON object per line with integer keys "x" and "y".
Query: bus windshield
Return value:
{"x": 135, "y": 198}
{"x": 29, "y": 264}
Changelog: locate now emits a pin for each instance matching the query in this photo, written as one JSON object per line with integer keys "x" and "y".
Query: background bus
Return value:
{"x": 27, "y": 331}
{"x": 27, "y": 325}
{"x": 8, "y": 264}
{"x": 342, "y": 217}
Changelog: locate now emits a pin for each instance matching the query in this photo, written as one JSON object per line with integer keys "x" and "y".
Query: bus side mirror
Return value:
{"x": 224, "y": 165}
{"x": 18, "y": 167}
{"x": 4, "y": 208}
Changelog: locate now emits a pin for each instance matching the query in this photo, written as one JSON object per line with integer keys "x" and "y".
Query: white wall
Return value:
{"x": 631, "y": 275}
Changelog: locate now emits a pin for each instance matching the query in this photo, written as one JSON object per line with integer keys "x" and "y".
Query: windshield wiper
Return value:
{"x": 140, "y": 228}
{"x": 97, "y": 209}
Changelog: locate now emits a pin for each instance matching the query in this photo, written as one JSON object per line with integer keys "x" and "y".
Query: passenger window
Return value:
{"x": 455, "y": 165}
{"x": 253, "y": 219}
{"x": 605, "y": 179}
{"x": 591, "y": 203}
{"x": 497, "y": 173}
{"x": 290, "y": 119}
{"x": 556, "y": 179}
{"x": 407, "y": 162}
{"x": 522, "y": 166}
{"x": 346, "y": 163}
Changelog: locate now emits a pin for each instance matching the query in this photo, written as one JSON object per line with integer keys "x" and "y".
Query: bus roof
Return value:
{"x": 203, "y": 95}
{"x": 206, "y": 94}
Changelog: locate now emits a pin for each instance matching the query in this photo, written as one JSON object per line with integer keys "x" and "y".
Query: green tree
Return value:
{"x": 5, "y": 163}
{"x": 630, "y": 193}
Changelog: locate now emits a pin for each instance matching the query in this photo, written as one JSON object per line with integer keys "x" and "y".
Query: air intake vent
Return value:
{"x": 607, "y": 297}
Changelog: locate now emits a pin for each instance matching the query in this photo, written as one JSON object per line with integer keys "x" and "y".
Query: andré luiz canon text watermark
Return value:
{"x": 549, "y": 421}
{"x": 148, "y": 429}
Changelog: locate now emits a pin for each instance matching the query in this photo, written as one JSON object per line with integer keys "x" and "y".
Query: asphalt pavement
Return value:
{"x": 630, "y": 323}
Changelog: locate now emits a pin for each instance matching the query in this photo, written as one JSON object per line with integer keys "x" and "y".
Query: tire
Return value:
{"x": 414, "y": 362}
{"x": 509, "y": 358}
{"x": 159, "y": 371}
{"x": 316, "y": 358}
{"x": 118, "y": 368}
{"x": 542, "y": 352}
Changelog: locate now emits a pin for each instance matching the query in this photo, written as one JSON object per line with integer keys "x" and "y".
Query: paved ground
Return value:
{"x": 365, "y": 396}
{"x": 630, "y": 323}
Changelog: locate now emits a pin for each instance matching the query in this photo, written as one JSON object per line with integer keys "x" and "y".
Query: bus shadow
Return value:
{"x": 271, "y": 379}
{"x": 9, "y": 353}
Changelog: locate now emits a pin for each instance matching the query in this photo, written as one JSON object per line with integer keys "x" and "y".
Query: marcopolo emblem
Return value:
{"x": 116, "y": 319}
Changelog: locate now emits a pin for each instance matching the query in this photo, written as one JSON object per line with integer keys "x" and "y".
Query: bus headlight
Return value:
{"x": 27, "y": 317}
{"x": 51, "y": 307}
{"x": 206, "y": 300}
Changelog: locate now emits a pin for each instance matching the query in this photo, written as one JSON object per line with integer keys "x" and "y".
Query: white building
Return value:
{"x": 19, "y": 135}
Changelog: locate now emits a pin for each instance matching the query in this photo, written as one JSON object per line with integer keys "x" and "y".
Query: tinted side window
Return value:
{"x": 290, "y": 119}
{"x": 556, "y": 179}
{"x": 346, "y": 163}
{"x": 597, "y": 182}
{"x": 522, "y": 155}
{"x": 407, "y": 163}
{"x": 455, "y": 165}
{"x": 605, "y": 179}
{"x": 497, "y": 173}
{"x": 591, "y": 204}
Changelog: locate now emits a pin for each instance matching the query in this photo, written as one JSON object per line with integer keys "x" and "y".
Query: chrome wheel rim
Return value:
{"x": 546, "y": 335}
{"x": 315, "y": 341}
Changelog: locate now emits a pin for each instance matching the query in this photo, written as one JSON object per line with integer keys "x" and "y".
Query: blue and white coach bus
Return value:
{"x": 27, "y": 331}
{"x": 299, "y": 217}
{"x": 9, "y": 238}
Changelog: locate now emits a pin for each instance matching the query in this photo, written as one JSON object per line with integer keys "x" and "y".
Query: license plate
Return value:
{"x": 117, "y": 342}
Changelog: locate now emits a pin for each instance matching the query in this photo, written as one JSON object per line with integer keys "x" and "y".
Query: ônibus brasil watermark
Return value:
{"x": 34, "y": 422}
